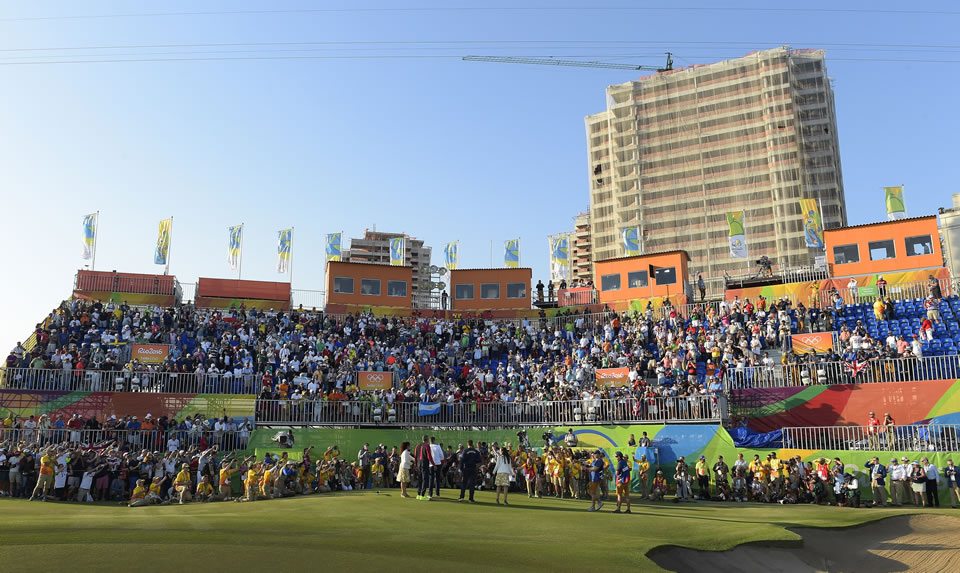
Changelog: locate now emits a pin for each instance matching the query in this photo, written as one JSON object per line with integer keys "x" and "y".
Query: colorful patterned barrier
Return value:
{"x": 669, "y": 442}
{"x": 769, "y": 409}
{"x": 104, "y": 404}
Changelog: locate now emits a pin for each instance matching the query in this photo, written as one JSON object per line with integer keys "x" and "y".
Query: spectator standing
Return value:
{"x": 896, "y": 473}
{"x": 437, "y": 455}
{"x": 878, "y": 473}
{"x": 918, "y": 483}
{"x": 933, "y": 483}
{"x": 364, "y": 459}
{"x": 469, "y": 462}
{"x": 406, "y": 464}
{"x": 424, "y": 463}
{"x": 502, "y": 471}
{"x": 952, "y": 476}
{"x": 873, "y": 431}
{"x": 623, "y": 482}
{"x": 596, "y": 475}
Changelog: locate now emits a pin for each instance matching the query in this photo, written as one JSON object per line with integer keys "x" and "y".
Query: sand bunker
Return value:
{"x": 903, "y": 543}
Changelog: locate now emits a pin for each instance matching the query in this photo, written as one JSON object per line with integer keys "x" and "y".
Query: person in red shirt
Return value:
{"x": 926, "y": 328}
{"x": 873, "y": 431}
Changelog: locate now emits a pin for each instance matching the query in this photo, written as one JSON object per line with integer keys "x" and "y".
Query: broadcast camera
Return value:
{"x": 522, "y": 439}
{"x": 548, "y": 439}
{"x": 284, "y": 438}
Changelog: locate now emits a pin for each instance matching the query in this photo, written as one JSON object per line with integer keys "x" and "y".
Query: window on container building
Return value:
{"x": 490, "y": 291}
{"x": 919, "y": 246}
{"x": 637, "y": 279}
{"x": 610, "y": 282}
{"x": 343, "y": 285}
{"x": 516, "y": 290}
{"x": 464, "y": 292}
{"x": 882, "y": 250}
{"x": 396, "y": 288}
{"x": 370, "y": 287}
{"x": 843, "y": 254}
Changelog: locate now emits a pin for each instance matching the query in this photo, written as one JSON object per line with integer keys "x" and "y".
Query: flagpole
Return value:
{"x": 291, "y": 257}
{"x": 518, "y": 252}
{"x": 166, "y": 269}
{"x": 240, "y": 257}
{"x": 96, "y": 233}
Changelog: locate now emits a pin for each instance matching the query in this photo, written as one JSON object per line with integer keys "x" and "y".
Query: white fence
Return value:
{"x": 127, "y": 381}
{"x": 920, "y": 438}
{"x": 896, "y": 292}
{"x": 556, "y": 413}
{"x": 888, "y": 370}
{"x": 153, "y": 439}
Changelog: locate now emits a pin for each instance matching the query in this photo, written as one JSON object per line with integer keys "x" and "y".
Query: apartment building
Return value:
{"x": 674, "y": 151}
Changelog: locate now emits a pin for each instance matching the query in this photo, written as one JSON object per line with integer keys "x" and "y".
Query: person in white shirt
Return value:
{"x": 403, "y": 472}
{"x": 173, "y": 444}
{"x": 933, "y": 483}
{"x": 502, "y": 471}
{"x": 896, "y": 475}
{"x": 436, "y": 452}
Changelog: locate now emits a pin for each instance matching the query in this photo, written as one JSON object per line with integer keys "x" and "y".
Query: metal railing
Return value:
{"x": 896, "y": 292}
{"x": 920, "y": 438}
{"x": 127, "y": 284}
{"x": 505, "y": 414}
{"x": 153, "y": 439}
{"x": 127, "y": 381}
{"x": 309, "y": 299}
{"x": 576, "y": 296}
{"x": 784, "y": 275}
{"x": 875, "y": 371}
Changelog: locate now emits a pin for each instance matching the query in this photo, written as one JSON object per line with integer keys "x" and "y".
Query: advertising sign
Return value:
{"x": 819, "y": 342}
{"x": 374, "y": 380}
{"x": 613, "y": 377}
{"x": 150, "y": 353}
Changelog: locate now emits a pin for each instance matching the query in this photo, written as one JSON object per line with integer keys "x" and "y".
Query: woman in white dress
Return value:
{"x": 403, "y": 474}
{"x": 502, "y": 472}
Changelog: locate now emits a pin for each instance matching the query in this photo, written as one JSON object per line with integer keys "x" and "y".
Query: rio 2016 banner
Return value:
{"x": 737, "y": 234}
{"x": 149, "y": 353}
{"x": 818, "y": 342}
{"x": 812, "y": 224}
{"x": 613, "y": 377}
{"x": 375, "y": 380}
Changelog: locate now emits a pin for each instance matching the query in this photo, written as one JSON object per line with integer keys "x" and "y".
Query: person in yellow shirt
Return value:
{"x": 376, "y": 469}
{"x": 205, "y": 490}
{"x": 155, "y": 491}
{"x": 182, "y": 484}
{"x": 48, "y": 463}
{"x": 643, "y": 471}
{"x": 139, "y": 496}
{"x": 266, "y": 481}
{"x": 252, "y": 483}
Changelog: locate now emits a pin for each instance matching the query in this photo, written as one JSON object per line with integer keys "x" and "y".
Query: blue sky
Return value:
{"x": 400, "y": 134}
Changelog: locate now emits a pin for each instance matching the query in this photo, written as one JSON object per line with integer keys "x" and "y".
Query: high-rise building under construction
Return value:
{"x": 675, "y": 151}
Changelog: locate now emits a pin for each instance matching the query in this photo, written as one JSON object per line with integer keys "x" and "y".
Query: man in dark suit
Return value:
{"x": 469, "y": 461}
{"x": 424, "y": 461}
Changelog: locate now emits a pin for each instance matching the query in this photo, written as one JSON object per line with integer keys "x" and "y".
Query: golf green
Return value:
{"x": 369, "y": 531}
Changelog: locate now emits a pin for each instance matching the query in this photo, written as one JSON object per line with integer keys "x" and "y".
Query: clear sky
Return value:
{"x": 374, "y": 120}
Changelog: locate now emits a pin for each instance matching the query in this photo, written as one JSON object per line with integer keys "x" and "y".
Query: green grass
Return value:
{"x": 367, "y": 532}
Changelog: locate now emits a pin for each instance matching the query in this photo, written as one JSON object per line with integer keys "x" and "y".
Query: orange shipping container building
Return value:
{"x": 133, "y": 288}
{"x": 227, "y": 293}
{"x": 655, "y": 275}
{"x": 368, "y": 285}
{"x": 478, "y": 290}
{"x": 889, "y": 246}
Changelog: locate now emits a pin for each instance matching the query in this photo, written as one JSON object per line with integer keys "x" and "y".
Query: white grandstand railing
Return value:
{"x": 919, "y": 438}
{"x": 896, "y": 292}
{"x": 153, "y": 439}
{"x": 876, "y": 371}
{"x": 127, "y": 381}
{"x": 511, "y": 414}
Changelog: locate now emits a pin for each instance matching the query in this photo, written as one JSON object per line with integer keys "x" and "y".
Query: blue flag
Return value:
{"x": 429, "y": 408}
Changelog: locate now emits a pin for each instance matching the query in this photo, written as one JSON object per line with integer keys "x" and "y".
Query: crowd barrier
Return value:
{"x": 153, "y": 439}
{"x": 503, "y": 414}
{"x": 897, "y": 292}
{"x": 127, "y": 381}
{"x": 805, "y": 374}
{"x": 919, "y": 438}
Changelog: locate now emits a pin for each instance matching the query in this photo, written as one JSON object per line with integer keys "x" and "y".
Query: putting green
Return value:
{"x": 369, "y": 531}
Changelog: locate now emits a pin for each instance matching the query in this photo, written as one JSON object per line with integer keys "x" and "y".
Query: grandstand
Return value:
{"x": 712, "y": 377}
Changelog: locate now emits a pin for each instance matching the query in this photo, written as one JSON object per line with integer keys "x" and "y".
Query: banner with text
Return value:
{"x": 613, "y": 377}
{"x": 150, "y": 353}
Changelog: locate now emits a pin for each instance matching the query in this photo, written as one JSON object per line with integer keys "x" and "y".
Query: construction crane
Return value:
{"x": 571, "y": 63}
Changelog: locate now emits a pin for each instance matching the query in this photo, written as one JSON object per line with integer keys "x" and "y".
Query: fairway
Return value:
{"x": 369, "y": 531}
